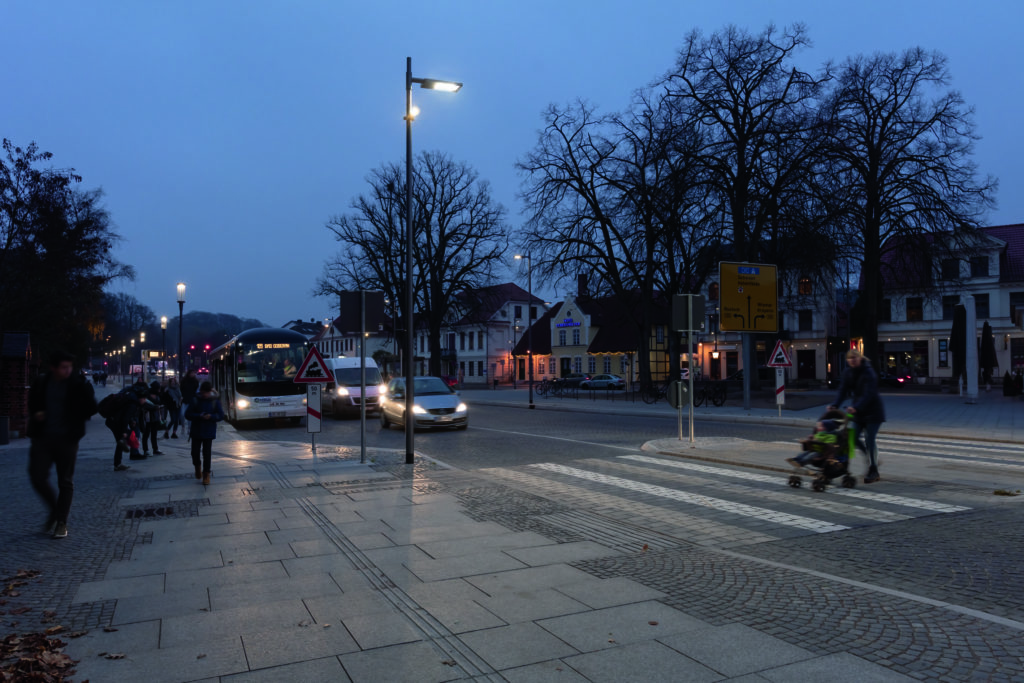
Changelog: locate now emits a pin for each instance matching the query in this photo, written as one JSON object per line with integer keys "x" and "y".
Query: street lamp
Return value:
{"x": 529, "y": 318}
{"x": 163, "y": 351}
{"x": 429, "y": 84}
{"x": 142, "y": 358}
{"x": 181, "y": 309}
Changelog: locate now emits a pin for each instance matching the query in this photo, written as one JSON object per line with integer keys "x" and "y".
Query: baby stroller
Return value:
{"x": 829, "y": 452}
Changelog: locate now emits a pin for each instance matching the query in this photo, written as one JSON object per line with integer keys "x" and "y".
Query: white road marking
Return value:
{"x": 750, "y": 476}
{"x": 782, "y": 518}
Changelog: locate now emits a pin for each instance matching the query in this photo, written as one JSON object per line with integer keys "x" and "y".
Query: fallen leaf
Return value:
{"x": 116, "y": 655}
{"x": 102, "y": 654}
{"x": 14, "y": 594}
{"x": 54, "y": 629}
{"x": 653, "y": 623}
{"x": 78, "y": 634}
{"x": 203, "y": 656}
{"x": 327, "y": 625}
{"x": 449, "y": 662}
{"x": 21, "y": 610}
{"x": 611, "y": 640}
{"x": 109, "y": 629}
{"x": 645, "y": 547}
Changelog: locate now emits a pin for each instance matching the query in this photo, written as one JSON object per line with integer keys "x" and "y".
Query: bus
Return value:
{"x": 254, "y": 374}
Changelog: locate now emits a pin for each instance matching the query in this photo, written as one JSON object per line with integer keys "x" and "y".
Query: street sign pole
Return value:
{"x": 780, "y": 388}
{"x": 689, "y": 358}
{"x": 314, "y": 393}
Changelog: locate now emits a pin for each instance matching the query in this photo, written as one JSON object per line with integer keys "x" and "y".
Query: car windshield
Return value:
{"x": 425, "y": 386}
{"x": 350, "y": 377}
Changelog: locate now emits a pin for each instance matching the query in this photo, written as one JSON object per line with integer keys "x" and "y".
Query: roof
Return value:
{"x": 483, "y": 303}
{"x": 1011, "y": 260}
{"x": 541, "y": 334}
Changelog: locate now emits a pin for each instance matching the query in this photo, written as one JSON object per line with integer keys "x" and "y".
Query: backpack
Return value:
{"x": 111, "y": 405}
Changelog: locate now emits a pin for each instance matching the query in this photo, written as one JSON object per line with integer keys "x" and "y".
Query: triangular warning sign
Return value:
{"x": 313, "y": 369}
{"x": 779, "y": 357}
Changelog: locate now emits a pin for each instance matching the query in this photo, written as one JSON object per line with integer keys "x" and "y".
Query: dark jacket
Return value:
{"x": 127, "y": 415}
{"x": 204, "y": 429}
{"x": 189, "y": 388}
{"x": 861, "y": 383}
{"x": 79, "y": 406}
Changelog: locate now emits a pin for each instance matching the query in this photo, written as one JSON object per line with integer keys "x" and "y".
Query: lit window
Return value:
{"x": 804, "y": 285}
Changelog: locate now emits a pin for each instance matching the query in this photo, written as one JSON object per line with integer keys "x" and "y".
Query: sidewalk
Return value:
{"x": 993, "y": 417}
{"x": 290, "y": 567}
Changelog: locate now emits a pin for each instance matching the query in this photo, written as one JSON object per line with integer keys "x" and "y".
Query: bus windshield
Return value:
{"x": 266, "y": 367}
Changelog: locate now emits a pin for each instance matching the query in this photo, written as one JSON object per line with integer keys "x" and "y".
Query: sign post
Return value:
{"x": 780, "y": 360}
{"x": 314, "y": 373}
{"x": 687, "y": 317}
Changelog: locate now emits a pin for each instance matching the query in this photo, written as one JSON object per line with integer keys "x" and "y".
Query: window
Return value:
{"x": 915, "y": 309}
{"x": 948, "y": 304}
{"x": 576, "y": 337}
{"x": 591, "y": 364}
{"x": 1016, "y": 306}
{"x": 885, "y": 311}
{"x": 462, "y": 368}
{"x": 553, "y": 365}
{"x": 979, "y": 266}
{"x": 462, "y": 341}
{"x": 533, "y": 312}
{"x": 803, "y": 285}
{"x": 517, "y": 312}
{"x": 623, "y": 365}
{"x": 577, "y": 364}
{"x": 659, "y": 334}
{"x": 607, "y": 364}
{"x": 805, "y": 320}
{"x": 561, "y": 337}
{"x": 981, "y": 306}
{"x": 950, "y": 269}
{"x": 480, "y": 341}
{"x": 480, "y": 368}
{"x": 943, "y": 353}
{"x": 470, "y": 368}
{"x": 713, "y": 291}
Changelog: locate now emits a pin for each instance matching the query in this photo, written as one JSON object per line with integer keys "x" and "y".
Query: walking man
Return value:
{"x": 58, "y": 404}
{"x": 860, "y": 381}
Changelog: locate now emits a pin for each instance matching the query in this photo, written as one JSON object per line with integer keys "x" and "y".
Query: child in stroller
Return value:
{"x": 827, "y": 451}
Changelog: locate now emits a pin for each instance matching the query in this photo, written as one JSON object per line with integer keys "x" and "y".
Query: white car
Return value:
{"x": 435, "y": 404}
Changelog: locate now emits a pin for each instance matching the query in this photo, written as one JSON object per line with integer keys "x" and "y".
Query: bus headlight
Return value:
{"x": 382, "y": 389}
{"x": 242, "y": 404}
{"x": 342, "y": 391}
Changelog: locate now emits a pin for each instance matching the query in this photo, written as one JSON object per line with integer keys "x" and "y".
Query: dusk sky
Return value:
{"x": 226, "y": 134}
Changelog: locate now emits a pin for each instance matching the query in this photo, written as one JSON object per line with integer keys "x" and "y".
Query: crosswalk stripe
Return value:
{"x": 955, "y": 444}
{"x": 816, "y": 502}
{"x": 863, "y": 495}
{"x": 964, "y": 460}
{"x": 743, "y": 509}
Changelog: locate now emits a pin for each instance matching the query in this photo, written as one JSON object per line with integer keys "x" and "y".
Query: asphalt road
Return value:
{"x": 505, "y": 437}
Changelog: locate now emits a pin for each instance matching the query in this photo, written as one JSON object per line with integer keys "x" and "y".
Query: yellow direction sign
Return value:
{"x": 749, "y": 298}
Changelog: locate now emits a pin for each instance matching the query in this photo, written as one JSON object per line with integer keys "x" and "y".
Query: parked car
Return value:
{"x": 896, "y": 379}
{"x": 435, "y": 404}
{"x": 573, "y": 379}
{"x": 603, "y": 382}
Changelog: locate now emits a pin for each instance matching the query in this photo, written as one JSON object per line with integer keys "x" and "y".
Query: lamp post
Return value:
{"x": 142, "y": 356}
{"x": 430, "y": 84}
{"x": 163, "y": 350}
{"x": 529, "y": 320}
{"x": 181, "y": 309}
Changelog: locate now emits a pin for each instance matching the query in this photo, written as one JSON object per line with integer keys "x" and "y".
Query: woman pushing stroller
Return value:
{"x": 861, "y": 382}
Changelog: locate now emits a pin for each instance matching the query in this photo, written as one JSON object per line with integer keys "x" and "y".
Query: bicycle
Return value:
{"x": 543, "y": 387}
{"x": 714, "y": 393}
{"x": 653, "y": 393}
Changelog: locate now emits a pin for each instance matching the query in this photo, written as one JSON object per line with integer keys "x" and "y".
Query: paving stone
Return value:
{"x": 290, "y": 646}
{"x": 381, "y": 629}
{"x": 325, "y": 670}
{"x": 470, "y": 546}
{"x": 459, "y": 616}
{"x": 196, "y": 579}
{"x": 444, "y": 591}
{"x": 612, "y": 626}
{"x": 840, "y": 668}
{"x": 204, "y": 626}
{"x": 350, "y": 604}
{"x": 317, "y": 564}
{"x": 517, "y": 645}
{"x": 531, "y": 605}
{"x": 271, "y": 590}
{"x": 554, "y": 671}
{"x": 641, "y": 663}
{"x": 598, "y": 593}
{"x": 137, "y": 637}
{"x": 92, "y": 591}
{"x": 406, "y": 663}
{"x": 562, "y": 552}
{"x": 484, "y": 562}
{"x": 170, "y": 604}
{"x": 294, "y": 535}
{"x": 735, "y": 649}
{"x": 548, "y": 576}
{"x": 199, "y": 659}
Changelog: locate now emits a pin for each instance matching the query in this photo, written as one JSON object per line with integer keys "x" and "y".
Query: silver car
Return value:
{"x": 435, "y": 404}
{"x": 603, "y": 382}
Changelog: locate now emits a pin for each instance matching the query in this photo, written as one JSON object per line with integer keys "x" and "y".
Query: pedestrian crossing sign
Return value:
{"x": 779, "y": 357}
{"x": 313, "y": 369}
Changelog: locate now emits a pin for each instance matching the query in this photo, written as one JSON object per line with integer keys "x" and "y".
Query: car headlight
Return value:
{"x": 342, "y": 391}
{"x": 242, "y": 404}
{"x": 418, "y": 410}
{"x": 462, "y": 408}
{"x": 303, "y": 400}
{"x": 382, "y": 389}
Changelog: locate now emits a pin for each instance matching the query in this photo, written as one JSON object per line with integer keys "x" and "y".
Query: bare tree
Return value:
{"x": 901, "y": 148}
{"x": 460, "y": 235}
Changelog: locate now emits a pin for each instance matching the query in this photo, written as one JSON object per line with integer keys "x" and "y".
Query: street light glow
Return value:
{"x": 435, "y": 84}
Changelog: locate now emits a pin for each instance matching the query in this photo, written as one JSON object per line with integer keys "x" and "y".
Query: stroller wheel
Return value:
{"x": 795, "y": 481}
{"x": 818, "y": 485}
{"x": 849, "y": 482}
